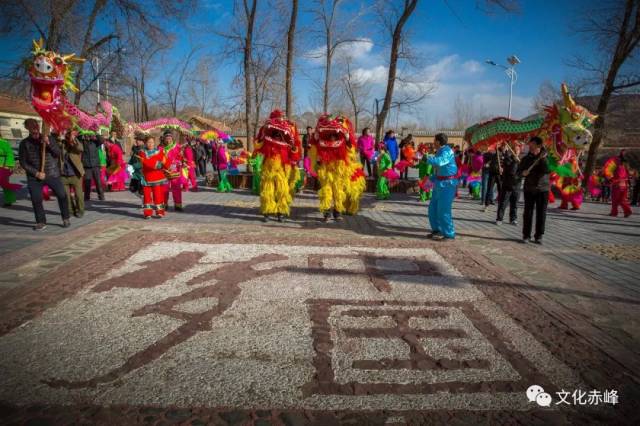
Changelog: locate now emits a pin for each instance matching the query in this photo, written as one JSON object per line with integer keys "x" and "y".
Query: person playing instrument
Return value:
{"x": 535, "y": 171}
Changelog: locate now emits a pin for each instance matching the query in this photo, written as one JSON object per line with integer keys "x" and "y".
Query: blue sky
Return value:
{"x": 453, "y": 38}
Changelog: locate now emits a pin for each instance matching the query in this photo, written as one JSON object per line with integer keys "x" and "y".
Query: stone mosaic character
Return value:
{"x": 445, "y": 183}
{"x": 279, "y": 144}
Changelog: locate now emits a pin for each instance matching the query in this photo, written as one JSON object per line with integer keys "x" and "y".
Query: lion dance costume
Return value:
{"x": 279, "y": 144}
{"x": 339, "y": 172}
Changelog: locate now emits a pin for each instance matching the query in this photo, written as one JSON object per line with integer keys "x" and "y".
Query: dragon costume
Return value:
{"x": 340, "y": 174}
{"x": 51, "y": 77}
{"x": 564, "y": 130}
{"x": 279, "y": 143}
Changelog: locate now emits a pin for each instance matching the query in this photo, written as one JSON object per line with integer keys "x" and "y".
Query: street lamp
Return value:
{"x": 511, "y": 73}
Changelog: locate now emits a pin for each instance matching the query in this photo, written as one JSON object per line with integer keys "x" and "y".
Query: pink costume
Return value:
{"x": 366, "y": 146}
{"x": 176, "y": 179}
{"x": 190, "y": 163}
{"x": 117, "y": 170}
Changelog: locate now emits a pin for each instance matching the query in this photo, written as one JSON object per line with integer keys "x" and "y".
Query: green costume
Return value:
{"x": 424, "y": 170}
{"x": 382, "y": 186}
{"x": 102, "y": 155}
{"x": 7, "y": 163}
{"x": 224, "y": 185}
{"x": 256, "y": 169}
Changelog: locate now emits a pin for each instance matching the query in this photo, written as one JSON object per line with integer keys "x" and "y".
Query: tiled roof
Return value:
{"x": 13, "y": 105}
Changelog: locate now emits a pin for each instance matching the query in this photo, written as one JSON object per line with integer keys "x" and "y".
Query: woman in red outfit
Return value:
{"x": 154, "y": 167}
{"x": 619, "y": 177}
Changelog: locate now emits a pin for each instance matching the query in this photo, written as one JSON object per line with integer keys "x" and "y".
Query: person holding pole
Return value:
{"x": 39, "y": 159}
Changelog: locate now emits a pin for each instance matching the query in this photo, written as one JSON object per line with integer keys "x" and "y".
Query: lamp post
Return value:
{"x": 511, "y": 73}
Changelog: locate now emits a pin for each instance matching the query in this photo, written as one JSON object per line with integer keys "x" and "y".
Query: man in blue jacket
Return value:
{"x": 444, "y": 190}
{"x": 392, "y": 146}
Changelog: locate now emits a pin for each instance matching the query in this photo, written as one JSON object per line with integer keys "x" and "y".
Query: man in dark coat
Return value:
{"x": 30, "y": 152}
{"x": 509, "y": 187}
{"x": 535, "y": 171}
{"x": 91, "y": 164}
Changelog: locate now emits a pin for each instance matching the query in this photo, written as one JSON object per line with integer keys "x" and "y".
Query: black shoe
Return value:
{"x": 280, "y": 219}
{"x": 6, "y": 205}
{"x": 265, "y": 218}
{"x": 66, "y": 223}
{"x": 40, "y": 227}
{"x": 179, "y": 209}
{"x": 326, "y": 217}
{"x": 101, "y": 198}
{"x": 538, "y": 241}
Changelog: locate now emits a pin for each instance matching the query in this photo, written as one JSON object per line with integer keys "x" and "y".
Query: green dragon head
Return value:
{"x": 574, "y": 121}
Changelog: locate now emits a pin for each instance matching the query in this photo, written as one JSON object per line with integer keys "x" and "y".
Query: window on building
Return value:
{"x": 5, "y": 122}
{"x": 17, "y": 133}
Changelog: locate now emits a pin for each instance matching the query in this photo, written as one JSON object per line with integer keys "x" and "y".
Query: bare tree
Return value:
{"x": 290, "y": 55}
{"x": 250, "y": 16}
{"x": 334, "y": 33}
{"x": 395, "y": 19}
{"x": 356, "y": 89}
{"x": 173, "y": 81}
{"x": 615, "y": 27}
{"x": 463, "y": 113}
{"x": 102, "y": 22}
{"x": 202, "y": 87}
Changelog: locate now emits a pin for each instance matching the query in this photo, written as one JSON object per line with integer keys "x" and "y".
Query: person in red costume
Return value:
{"x": 154, "y": 165}
{"x": 117, "y": 170}
{"x": 616, "y": 170}
{"x": 174, "y": 175}
{"x": 190, "y": 163}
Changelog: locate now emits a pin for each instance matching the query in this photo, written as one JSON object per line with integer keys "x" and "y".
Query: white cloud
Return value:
{"x": 472, "y": 67}
{"x": 357, "y": 50}
{"x": 374, "y": 75}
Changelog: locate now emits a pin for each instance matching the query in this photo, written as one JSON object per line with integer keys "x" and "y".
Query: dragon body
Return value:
{"x": 565, "y": 131}
{"x": 278, "y": 142}
{"x": 340, "y": 174}
{"x": 51, "y": 77}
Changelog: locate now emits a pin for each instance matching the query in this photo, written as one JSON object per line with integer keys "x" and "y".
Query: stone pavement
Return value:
{"x": 213, "y": 317}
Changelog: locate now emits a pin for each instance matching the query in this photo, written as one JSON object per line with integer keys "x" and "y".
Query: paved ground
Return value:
{"x": 210, "y": 316}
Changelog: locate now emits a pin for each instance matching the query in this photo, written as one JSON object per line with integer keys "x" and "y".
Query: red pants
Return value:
{"x": 175, "y": 185}
{"x": 157, "y": 192}
{"x": 192, "y": 179}
{"x": 620, "y": 198}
